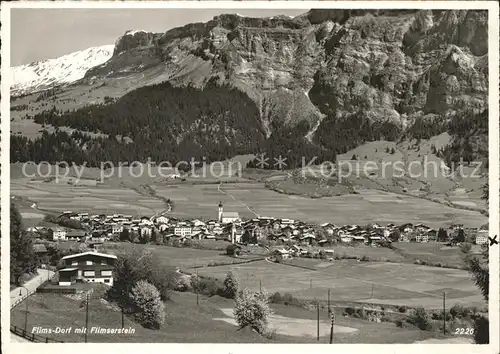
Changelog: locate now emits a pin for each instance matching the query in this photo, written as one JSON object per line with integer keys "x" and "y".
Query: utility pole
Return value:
{"x": 329, "y": 309}
{"x": 332, "y": 323}
{"x": 26, "y": 303}
{"x": 197, "y": 293}
{"x": 86, "y": 317}
{"x": 260, "y": 285}
{"x": 444, "y": 313}
{"x": 310, "y": 283}
{"x": 373, "y": 285}
{"x": 123, "y": 319}
{"x": 317, "y": 307}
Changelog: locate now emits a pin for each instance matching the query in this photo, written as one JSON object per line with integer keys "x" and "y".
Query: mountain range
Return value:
{"x": 323, "y": 82}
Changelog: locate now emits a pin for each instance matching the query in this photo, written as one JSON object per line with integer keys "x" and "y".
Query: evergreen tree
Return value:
{"x": 125, "y": 235}
{"x": 460, "y": 237}
{"x": 23, "y": 259}
{"x": 230, "y": 286}
{"x": 442, "y": 235}
{"x": 480, "y": 274}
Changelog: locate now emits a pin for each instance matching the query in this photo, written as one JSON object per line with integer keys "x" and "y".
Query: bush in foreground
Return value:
{"x": 252, "y": 310}
{"x": 420, "y": 319}
{"x": 149, "y": 310}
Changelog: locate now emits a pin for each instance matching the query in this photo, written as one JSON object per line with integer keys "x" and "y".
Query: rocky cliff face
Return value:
{"x": 401, "y": 67}
{"x": 388, "y": 65}
{"x": 391, "y": 65}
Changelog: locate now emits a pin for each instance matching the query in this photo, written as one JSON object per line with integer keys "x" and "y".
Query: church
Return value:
{"x": 227, "y": 217}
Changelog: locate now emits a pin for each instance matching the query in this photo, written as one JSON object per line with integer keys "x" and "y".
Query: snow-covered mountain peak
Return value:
{"x": 49, "y": 73}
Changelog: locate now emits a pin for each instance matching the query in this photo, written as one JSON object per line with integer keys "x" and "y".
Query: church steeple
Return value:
{"x": 221, "y": 210}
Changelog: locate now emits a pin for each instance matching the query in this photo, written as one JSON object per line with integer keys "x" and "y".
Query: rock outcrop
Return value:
{"x": 388, "y": 65}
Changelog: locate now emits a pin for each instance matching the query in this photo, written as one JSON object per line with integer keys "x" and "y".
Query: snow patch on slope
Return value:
{"x": 69, "y": 68}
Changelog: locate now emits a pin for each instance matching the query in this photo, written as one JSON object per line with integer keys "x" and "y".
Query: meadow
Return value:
{"x": 251, "y": 199}
{"x": 181, "y": 257}
{"x": 208, "y": 322}
{"x": 199, "y": 200}
{"x": 362, "y": 282}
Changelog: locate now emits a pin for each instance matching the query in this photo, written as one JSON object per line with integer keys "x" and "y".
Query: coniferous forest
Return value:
{"x": 166, "y": 123}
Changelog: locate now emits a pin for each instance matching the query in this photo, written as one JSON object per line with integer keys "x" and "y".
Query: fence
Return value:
{"x": 20, "y": 331}
{"x": 56, "y": 290}
{"x": 24, "y": 297}
{"x": 32, "y": 337}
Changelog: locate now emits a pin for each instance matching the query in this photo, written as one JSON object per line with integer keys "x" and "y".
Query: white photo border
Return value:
{"x": 494, "y": 185}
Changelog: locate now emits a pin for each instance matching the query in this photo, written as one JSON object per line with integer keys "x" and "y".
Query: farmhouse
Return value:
{"x": 76, "y": 235}
{"x": 146, "y": 230}
{"x": 422, "y": 238}
{"x": 281, "y": 254}
{"x": 59, "y": 234}
{"x": 162, "y": 219}
{"x": 41, "y": 252}
{"x": 87, "y": 267}
{"x": 116, "y": 228}
{"x": 183, "y": 230}
{"x": 482, "y": 237}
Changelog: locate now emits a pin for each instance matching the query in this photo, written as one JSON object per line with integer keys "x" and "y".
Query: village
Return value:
{"x": 285, "y": 236}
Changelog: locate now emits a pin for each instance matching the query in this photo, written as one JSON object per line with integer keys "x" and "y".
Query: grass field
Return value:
{"x": 188, "y": 323}
{"x": 391, "y": 283}
{"x": 409, "y": 252}
{"x": 184, "y": 258}
{"x": 248, "y": 198}
{"x": 370, "y": 205}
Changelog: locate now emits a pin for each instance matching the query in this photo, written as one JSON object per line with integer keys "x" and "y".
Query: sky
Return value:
{"x": 38, "y": 34}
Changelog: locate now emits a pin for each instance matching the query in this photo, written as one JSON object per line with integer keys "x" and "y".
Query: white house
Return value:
{"x": 482, "y": 237}
{"x": 59, "y": 234}
{"x": 182, "y": 230}
{"x": 163, "y": 227}
{"x": 282, "y": 254}
{"x": 116, "y": 228}
{"x": 422, "y": 238}
{"x": 346, "y": 238}
{"x": 162, "y": 219}
{"x": 146, "y": 230}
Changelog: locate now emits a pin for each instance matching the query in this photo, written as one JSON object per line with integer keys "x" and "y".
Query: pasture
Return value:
{"x": 184, "y": 258}
{"x": 209, "y": 322}
{"x": 194, "y": 200}
{"x": 351, "y": 281}
{"x": 251, "y": 199}
{"x": 59, "y": 197}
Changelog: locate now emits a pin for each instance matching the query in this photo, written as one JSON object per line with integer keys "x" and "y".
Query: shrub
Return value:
{"x": 230, "y": 286}
{"x": 399, "y": 323}
{"x": 459, "y": 311}
{"x": 402, "y": 309}
{"x": 350, "y": 311}
{"x": 276, "y": 298}
{"x": 252, "y": 309}
{"x": 365, "y": 258}
{"x": 420, "y": 318}
{"x": 148, "y": 308}
{"x": 206, "y": 286}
